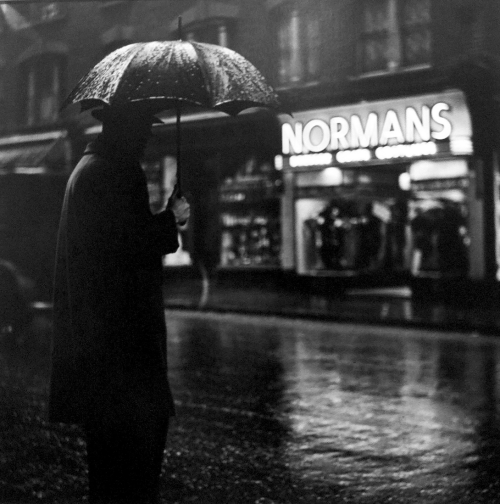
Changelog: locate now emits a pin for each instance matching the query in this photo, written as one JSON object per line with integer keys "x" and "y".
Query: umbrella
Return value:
{"x": 169, "y": 74}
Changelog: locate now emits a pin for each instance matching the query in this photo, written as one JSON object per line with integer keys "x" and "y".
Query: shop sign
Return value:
{"x": 402, "y": 128}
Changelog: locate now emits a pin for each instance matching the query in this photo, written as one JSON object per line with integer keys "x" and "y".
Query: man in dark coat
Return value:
{"x": 109, "y": 367}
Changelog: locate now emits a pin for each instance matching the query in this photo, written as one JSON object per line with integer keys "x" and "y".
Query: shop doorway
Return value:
{"x": 439, "y": 218}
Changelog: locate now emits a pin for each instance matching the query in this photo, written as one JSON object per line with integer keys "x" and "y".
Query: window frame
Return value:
{"x": 36, "y": 12}
{"x": 405, "y": 30}
{"x": 289, "y": 17}
{"x": 396, "y": 42}
{"x": 31, "y": 94}
{"x": 224, "y": 27}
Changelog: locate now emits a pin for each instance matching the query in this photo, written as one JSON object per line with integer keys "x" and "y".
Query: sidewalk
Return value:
{"x": 388, "y": 306}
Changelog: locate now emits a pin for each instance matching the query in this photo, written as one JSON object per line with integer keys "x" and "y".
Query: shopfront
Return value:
{"x": 229, "y": 177}
{"x": 250, "y": 214}
{"x": 380, "y": 188}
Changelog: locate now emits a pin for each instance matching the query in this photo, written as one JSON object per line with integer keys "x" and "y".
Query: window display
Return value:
{"x": 382, "y": 188}
{"x": 250, "y": 206}
{"x": 250, "y": 240}
{"x": 440, "y": 236}
{"x": 439, "y": 218}
{"x": 343, "y": 234}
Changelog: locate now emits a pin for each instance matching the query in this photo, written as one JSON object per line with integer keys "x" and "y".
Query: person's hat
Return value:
{"x": 107, "y": 113}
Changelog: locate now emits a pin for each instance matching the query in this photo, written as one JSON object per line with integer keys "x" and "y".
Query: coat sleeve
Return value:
{"x": 145, "y": 236}
{"x": 115, "y": 219}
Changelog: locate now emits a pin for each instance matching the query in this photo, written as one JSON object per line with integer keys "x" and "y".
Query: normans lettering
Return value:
{"x": 391, "y": 128}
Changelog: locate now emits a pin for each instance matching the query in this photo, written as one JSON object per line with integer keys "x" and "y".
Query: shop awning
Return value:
{"x": 35, "y": 153}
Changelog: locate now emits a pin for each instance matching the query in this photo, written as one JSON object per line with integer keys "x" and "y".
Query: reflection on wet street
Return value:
{"x": 281, "y": 411}
{"x": 385, "y": 414}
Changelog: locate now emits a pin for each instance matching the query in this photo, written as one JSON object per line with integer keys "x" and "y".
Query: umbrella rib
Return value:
{"x": 135, "y": 51}
{"x": 199, "y": 61}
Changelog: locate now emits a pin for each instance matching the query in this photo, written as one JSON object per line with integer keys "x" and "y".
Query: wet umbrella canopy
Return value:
{"x": 165, "y": 74}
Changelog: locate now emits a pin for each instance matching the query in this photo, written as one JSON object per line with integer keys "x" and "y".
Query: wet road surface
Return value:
{"x": 281, "y": 411}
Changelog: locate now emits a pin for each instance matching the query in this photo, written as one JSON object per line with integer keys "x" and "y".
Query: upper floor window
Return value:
{"x": 212, "y": 22}
{"x": 395, "y": 34}
{"x": 117, "y": 36}
{"x": 26, "y": 14}
{"x": 41, "y": 89}
{"x": 297, "y": 45}
{"x": 213, "y": 32}
{"x": 42, "y": 12}
{"x": 416, "y": 32}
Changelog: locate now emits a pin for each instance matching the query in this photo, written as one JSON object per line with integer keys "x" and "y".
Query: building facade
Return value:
{"x": 386, "y": 171}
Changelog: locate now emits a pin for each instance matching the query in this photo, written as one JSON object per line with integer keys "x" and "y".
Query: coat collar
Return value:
{"x": 111, "y": 150}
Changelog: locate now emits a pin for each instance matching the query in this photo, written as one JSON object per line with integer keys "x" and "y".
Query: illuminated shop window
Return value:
{"x": 297, "y": 45}
{"x": 250, "y": 216}
{"x": 351, "y": 221}
{"x": 41, "y": 89}
{"x": 395, "y": 34}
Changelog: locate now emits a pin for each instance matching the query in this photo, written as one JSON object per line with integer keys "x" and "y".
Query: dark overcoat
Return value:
{"x": 109, "y": 341}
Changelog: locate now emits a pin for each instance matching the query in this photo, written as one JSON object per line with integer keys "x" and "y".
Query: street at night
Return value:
{"x": 275, "y": 410}
{"x": 309, "y": 191}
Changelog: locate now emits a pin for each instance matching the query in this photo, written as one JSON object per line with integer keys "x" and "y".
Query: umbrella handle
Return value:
{"x": 178, "y": 121}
